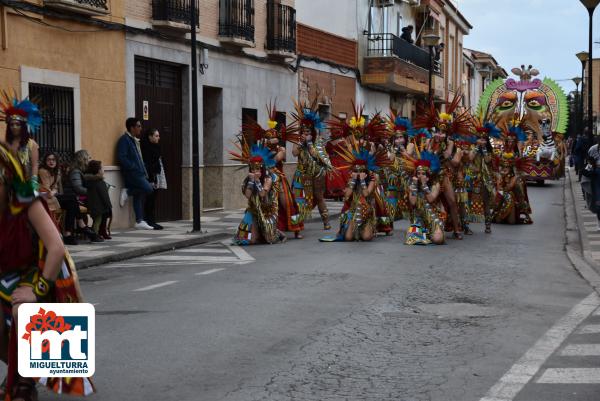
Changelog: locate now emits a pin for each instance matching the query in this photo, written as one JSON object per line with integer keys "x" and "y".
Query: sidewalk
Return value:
{"x": 586, "y": 222}
{"x": 131, "y": 243}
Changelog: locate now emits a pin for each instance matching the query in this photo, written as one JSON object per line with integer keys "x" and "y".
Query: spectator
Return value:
{"x": 51, "y": 184}
{"x": 156, "y": 173}
{"x": 594, "y": 160}
{"x": 407, "y": 34}
{"x": 98, "y": 202}
{"x": 581, "y": 148}
{"x": 75, "y": 186}
{"x": 437, "y": 51}
{"x": 134, "y": 172}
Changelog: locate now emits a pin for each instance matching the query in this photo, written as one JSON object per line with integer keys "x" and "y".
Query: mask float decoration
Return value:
{"x": 539, "y": 108}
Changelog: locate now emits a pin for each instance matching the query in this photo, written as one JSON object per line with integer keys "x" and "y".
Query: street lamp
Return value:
{"x": 591, "y": 6}
{"x": 430, "y": 40}
{"x": 576, "y": 81}
{"x": 195, "y": 140}
{"x": 583, "y": 57}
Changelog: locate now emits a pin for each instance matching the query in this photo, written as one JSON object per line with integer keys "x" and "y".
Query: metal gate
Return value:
{"x": 158, "y": 104}
{"x": 57, "y": 132}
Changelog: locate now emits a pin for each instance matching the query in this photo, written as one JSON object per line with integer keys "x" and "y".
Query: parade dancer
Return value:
{"x": 313, "y": 163}
{"x": 442, "y": 125}
{"x": 394, "y": 178}
{"x": 483, "y": 192}
{"x": 260, "y": 187}
{"x": 289, "y": 214}
{"x": 512, "y": 201}
{"x": 22, "y": 118}
{"x": 427, "y": 211}
{"x": 358, "y": 219}
{"x": 34, "y": 267}
{"x": 462, "y": 180}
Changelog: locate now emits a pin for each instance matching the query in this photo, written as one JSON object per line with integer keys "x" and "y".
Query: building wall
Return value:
{"x": 331, "y": 89}
{"x": 94, "y": 63}
{"x": 326, "y": 46}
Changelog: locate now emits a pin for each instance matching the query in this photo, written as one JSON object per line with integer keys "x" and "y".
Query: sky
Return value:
{"x": 544, "y": 33}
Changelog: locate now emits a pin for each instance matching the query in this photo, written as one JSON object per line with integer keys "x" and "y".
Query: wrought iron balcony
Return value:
{"x": 88, "y": 7}
{"x": 236, "y": 22}
{"x": 390, "y": 45}
{"x": 281, "y": 29}
{"x": 393, "y": 64}
{"x": 174, "y": 14}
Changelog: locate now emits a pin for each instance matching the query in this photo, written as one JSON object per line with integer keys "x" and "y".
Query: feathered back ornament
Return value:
{"x": 451, "y": 121}
{"x": 23, "y": 110}
{"x": 354, "y": 155}
{"x": 338, "y": 128}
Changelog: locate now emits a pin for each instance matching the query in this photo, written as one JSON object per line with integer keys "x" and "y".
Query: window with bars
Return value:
{"x": 57, "y": 132}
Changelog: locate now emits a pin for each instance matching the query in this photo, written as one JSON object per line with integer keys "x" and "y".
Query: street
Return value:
{"x": 347, "y": 321}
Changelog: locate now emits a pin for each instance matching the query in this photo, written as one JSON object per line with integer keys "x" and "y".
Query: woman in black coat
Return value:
{"x": 156, "y": 175}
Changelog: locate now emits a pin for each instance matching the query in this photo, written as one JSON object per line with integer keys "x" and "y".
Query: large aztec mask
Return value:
{"x": 525, "y": 102}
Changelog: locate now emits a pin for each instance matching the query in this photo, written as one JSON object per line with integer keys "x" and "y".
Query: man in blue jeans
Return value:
{"x": 134, "y": 172}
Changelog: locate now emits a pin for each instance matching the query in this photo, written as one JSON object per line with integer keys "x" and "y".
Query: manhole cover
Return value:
{"x": 459, "y": 310}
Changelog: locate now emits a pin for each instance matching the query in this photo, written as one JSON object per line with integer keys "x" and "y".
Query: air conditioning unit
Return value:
{"x": 384, "y": 3}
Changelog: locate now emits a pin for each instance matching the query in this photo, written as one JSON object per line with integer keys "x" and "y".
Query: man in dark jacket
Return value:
{"x": 133, "y": 170}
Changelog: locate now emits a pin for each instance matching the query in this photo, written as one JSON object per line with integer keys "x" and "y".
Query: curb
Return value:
{"x": 168, "y": 246}
{"x": 574, "y": 242}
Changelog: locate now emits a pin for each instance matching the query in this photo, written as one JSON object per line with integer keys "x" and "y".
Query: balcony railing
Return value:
{"x": 90, "y": 7}
{"x": 390, "y": 45}
{"x": 236, "y": 19}
{"x": 281, "y": 28}
{"x": 177, "y": 11}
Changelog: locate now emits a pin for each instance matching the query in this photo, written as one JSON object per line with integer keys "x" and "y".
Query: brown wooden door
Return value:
{"x": 159, "y": 84}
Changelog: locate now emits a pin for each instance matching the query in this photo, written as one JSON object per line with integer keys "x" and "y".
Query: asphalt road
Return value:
{"x": 340, "y": 321}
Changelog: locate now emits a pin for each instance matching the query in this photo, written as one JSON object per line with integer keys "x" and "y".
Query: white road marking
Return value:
{"x": 154, "y": 286}
{"x": 211, "y": 271}
{"x": 570, "y": 376}
{"x": 238, "y": 251}
{"x": 203, "y": 250}
{"x": 190, "y": 258}
{"x": 590, "y": 329}
{"x": 581, "y": 350}
{"x": 529, "y": 364}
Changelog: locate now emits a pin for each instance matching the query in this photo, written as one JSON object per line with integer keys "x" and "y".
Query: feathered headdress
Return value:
{"x": 396, "y": 123}
{"x": 425, "y": 160}
{"x": 255, "y": 155}
{"x": 22, "y": 110}
{"x": 354, "y": 155}
{"x": 307, "y": 115}
{"x": 516, "y": 132}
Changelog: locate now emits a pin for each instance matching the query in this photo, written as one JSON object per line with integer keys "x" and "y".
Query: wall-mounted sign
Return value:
{"x": 145, "y": 111}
